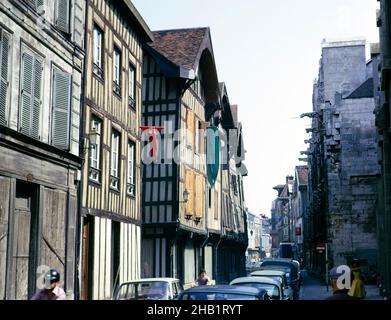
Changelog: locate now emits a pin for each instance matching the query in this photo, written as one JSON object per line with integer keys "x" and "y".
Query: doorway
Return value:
{"x": 87, "y": 256}
{"x": 25, "y": 231}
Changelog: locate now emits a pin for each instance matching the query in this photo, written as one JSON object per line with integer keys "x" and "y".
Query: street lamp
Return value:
{"x": 92, "y": 138}
{"x": 186, "y": 196}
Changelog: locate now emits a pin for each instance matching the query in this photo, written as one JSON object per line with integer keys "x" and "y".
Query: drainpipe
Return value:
{"x": 81, "y": 154}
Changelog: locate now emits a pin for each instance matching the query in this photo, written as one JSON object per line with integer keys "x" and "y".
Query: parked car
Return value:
{"x": 289, "y": 267}
{"x": 149, "y": 289}
{"x": 276, "y": 275}
{"x": 224, "y": 292}
{"x": 273, "y": 287}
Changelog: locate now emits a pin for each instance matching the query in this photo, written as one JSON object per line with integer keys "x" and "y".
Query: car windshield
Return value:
{"x": 217, "y": 296}
{"x": 271, "y": 289}
{"x": 154, "y": 290}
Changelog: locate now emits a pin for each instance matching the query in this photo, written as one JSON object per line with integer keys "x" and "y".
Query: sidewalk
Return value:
{"x": 315, "y": 289}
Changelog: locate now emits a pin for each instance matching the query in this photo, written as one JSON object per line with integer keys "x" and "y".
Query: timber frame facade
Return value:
{"x": 41, "y": 76}
{"x": 181, "y": 95}
{"x": 232, "y": 248}
{"x": 111, "y": 207}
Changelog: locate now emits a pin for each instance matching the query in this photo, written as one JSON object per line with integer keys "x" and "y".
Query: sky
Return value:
{"x": 267, "y": 52}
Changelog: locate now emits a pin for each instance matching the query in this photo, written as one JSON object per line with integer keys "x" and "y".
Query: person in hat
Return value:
{"x": 52, "y": 289}
{"x": 338, "y": 293}
{"x": 202, "y": 279}
{"x": 357, "y": 290}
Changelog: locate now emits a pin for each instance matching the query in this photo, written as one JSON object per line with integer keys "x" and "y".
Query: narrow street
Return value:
{"x": 315, "y": 289}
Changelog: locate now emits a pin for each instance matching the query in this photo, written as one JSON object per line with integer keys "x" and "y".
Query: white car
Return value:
{"x": 276, "y": 275}
{"x": 149, "y": 289}
{"x": 273, "y": 287}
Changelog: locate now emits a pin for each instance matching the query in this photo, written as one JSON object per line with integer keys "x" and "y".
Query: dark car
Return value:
{"x": 224, "y": 292}
{"x": 289, "y": 267}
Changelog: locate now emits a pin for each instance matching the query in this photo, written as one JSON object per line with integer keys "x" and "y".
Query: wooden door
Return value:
{"x": 87, "y": 258}
{"x": 24, "y": 230}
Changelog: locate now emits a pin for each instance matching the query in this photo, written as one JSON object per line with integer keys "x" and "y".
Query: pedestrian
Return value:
{"x": 357, "y": 289}
{"x": 202, "y": 279}
{"x": 338, "y": 293}
{"x": 52, "y": 289}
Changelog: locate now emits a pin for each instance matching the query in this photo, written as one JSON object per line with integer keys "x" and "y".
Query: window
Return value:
{"x": 95, "y": 150}
{"x": 131, "y": 161}
{"x": 216, "y": 205}
{"x": 98, "y": 52}
{"x": 61, "y": 106}
{"x": 132, "y": 87}
{"x": 61, "y": 15}
{"x": 37, "y": 5}
{"x": 117, "y": 71}
{"x": 30, "y": 94}
{"x": 114, "y": 170}
{"x": 210, "y": 197}
{"x": 4, "y": 75}
{"x": 200, "y": 137}
{"x": 234, "y": 184}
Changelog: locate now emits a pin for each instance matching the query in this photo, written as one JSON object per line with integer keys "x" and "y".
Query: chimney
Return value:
{"x": 289, "y": 178}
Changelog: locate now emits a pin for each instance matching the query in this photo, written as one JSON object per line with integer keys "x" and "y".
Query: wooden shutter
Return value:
{"x": 26, "y": 93}
{"x": 189, "y": 184}
{"x": 62, "y": 15}
{"x": 216, "y": 205}
{"x": 4, "y": 61}
{"x": 30, "y": 110}
{"x": 190, "y": 128}
{"x": 36, "y": 112}
{"x": 61, "y": 92}
{"x": 200, "y": 195}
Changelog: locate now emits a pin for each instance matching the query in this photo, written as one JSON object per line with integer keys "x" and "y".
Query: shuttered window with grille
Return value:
{"x": 30, "y": 94}
{"x": 4, "y": 74}
{"x": 61, "y": 108}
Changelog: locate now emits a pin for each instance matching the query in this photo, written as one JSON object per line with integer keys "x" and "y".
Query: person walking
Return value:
{"x": 52, "y": 290}
{"x": 338, "y": 293}
{"x": 357, "y": 289}
{"x": 202, "y": 279}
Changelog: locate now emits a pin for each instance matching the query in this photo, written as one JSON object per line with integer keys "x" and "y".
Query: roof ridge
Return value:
{"x": 181, "y": 29}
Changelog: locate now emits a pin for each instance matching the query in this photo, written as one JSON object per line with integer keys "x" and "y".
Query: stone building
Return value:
{"x": 383, "y": 125}
{"x": 254, "y": 232}
{"x": 41, "y": 65}
{"x": 343, "y": 165}
{"x": 299, "y": 210}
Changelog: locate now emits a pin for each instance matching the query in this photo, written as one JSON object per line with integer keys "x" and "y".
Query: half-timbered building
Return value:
{"x": 234, "y": 239}
{"x": 111, "y": 207}
{"x": 180, "y": 95}
{"x": 41, "y": 63}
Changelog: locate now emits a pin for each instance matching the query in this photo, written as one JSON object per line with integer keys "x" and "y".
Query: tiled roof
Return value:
{"x": 180, "y": 46}
{"x": 363, "y": 91}
{"x": 302, "y": 175}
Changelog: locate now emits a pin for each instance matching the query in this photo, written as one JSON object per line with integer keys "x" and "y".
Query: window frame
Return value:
{"x": 98, "y": 70}
{"x": 131, "y": 183}
{"x": 117, "y": 71}
{"x": 115, "y": 178}
{"x": 132, "y": 99}
{"x": 26, "y": 49}
{"x": 96, "y": 170}
{"x": 4, "y": 32}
